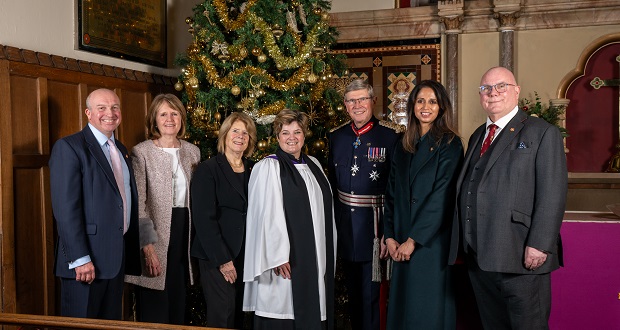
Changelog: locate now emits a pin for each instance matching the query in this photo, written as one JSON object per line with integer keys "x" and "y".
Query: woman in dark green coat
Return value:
{"x": 419, "y": 206}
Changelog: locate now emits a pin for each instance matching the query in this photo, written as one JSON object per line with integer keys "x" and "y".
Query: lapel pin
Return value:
{"x": 432, "y": 148}
{"x": 512, "y": 129}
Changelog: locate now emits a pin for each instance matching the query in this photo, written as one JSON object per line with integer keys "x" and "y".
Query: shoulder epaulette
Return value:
{"x": 396, "y": 127}
{"x": 335, "y": 128}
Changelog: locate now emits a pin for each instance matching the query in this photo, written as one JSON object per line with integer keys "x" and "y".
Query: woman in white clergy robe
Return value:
{"x": 290, "y": 236}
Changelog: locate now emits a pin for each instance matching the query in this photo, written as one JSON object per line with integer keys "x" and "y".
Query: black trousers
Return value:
{"x": 102, "y": 299}
{"x": 224, "y": 300}
{"x": 511, "y": 301}
{"x": 363, "y": 295}
{"x": 168, "y": 305}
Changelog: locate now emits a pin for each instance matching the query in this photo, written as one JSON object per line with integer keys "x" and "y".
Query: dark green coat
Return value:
{"x": 420, "y": 204}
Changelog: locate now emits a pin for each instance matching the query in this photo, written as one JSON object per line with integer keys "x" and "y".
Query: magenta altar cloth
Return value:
{"x": 586, "y": 291}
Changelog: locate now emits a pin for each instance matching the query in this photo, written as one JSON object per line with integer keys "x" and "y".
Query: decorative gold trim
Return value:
{"x": 384, "y": 49}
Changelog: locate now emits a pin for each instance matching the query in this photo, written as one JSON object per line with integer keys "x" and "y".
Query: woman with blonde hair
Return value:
{"x": 163, "y": 166}
{"x": 219, "y": 207}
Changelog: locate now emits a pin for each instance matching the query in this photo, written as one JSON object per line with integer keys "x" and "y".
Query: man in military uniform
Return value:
{"x": 359, "y": 164}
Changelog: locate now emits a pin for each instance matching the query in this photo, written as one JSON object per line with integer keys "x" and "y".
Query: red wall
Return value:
{"x": 592, "y": 115}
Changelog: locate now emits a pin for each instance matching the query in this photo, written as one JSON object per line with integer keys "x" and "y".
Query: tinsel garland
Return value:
{"x": 284, "y": 62}
{"x": 271, "y": 109}
{"x": 227, "y": 82}
{"x": 222, "y": 11}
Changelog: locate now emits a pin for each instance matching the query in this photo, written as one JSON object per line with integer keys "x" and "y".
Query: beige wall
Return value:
{"x": 49, "y": 27}
{"x": 339, "y": 6}
{"x": 542, "y": 59}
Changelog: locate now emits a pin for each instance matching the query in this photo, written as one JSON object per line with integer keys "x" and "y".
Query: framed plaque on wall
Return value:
{"x": 134, "y": 30}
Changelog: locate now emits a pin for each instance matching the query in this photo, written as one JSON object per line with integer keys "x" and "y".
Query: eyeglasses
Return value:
{"x": 500, "y": 88}
{"x": 354, "y": 101}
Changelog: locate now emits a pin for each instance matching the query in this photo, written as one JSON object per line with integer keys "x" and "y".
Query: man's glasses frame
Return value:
{"x": 360, "y": 100}
{"x": 499, "y": 87}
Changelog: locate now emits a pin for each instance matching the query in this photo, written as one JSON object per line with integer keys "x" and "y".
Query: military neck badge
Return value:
{"x": 359, "y": 132}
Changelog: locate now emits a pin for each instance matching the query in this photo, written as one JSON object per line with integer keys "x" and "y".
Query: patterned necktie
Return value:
{"x": 118, "y": 175}
{"x": 489, "y": 139}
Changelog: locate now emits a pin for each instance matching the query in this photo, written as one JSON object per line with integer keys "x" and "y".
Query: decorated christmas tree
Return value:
{"x": 261, "y": 56}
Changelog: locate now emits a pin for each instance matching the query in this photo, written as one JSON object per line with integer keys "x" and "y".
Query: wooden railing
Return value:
{"x": 60, "y": 322}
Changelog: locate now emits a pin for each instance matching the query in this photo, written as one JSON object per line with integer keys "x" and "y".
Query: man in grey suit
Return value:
{"x": 511, "y": 195}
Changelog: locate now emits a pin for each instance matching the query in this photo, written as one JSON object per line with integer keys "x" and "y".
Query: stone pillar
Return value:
{"x": 507, "y": 12}
{"x": 451, "y": 15}
{"x": 564, "y": 104}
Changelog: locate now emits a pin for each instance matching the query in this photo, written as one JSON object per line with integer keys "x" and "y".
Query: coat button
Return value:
{"x": 413, "y": 201}
{"x": 352, "y": 210}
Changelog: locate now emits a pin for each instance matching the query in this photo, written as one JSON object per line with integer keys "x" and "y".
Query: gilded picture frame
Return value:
{"x": 134, "y": 30}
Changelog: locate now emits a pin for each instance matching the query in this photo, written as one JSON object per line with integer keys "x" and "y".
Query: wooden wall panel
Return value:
{"x": 26, "y": 121}
{"x": 63, "y": 96}
{"x": 30, "y": 240}
{"x": 133, "y": 109}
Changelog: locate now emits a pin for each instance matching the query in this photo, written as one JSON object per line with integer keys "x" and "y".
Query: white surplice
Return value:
{"x": 267, "y": 243}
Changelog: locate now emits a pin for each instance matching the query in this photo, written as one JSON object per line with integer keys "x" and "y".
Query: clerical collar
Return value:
{"x": 359, "y": 132}
{"x": 290, "y": 157}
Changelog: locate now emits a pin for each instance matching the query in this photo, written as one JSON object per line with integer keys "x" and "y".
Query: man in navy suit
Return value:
{"x": 97, "y": 225}
{"x": 511, "y": 195}
{"x": 360, "y": 154}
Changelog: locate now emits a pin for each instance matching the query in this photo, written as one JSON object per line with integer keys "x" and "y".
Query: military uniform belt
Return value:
{"x": 361, "y": 200}
{"x": 376, "y": 202}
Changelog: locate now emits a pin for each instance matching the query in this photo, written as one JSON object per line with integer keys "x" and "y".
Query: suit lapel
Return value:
{"x": 95, "y": 150}
{"x": 222, "y": 162}
{"x": 474, "y": 140}
{"x": 507, "y": 134}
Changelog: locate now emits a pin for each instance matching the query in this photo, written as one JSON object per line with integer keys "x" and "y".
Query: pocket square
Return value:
{"x": 522, "y": 145}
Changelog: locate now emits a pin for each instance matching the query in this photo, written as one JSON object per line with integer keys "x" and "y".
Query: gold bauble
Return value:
{"x": 340, "y": 107}
{"x": 308, "y": 135}
{"x": 262, "y": 58}
{"x": 295, "y": 3}
{"x": 317, "y": 10}
{"x": 217, "y": 116}
{"x": 262, "y": 145}
{"x": 178, "y": 86}
{"x": 331, "y": 112}
{"x": 256, "y": 51}
{"x": 193, "y": 82}
{"x": 277, "y": 31}
{"x": 243, "y": 52}
{"x": 189, "y": 20}
{"x": 235, "y": 90}
{"x": 325, "y": 16}
{"x": 317, "y": 144}
{"x": 223, "y": 57}
{"x": 312, "y": 78}
{"x": 324, "y": 78}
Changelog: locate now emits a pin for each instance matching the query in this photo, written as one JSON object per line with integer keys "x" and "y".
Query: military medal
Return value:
{"x": 354, "y": 168}
{"x": 374, "y": 176}
{"x": 376, "y": 154}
